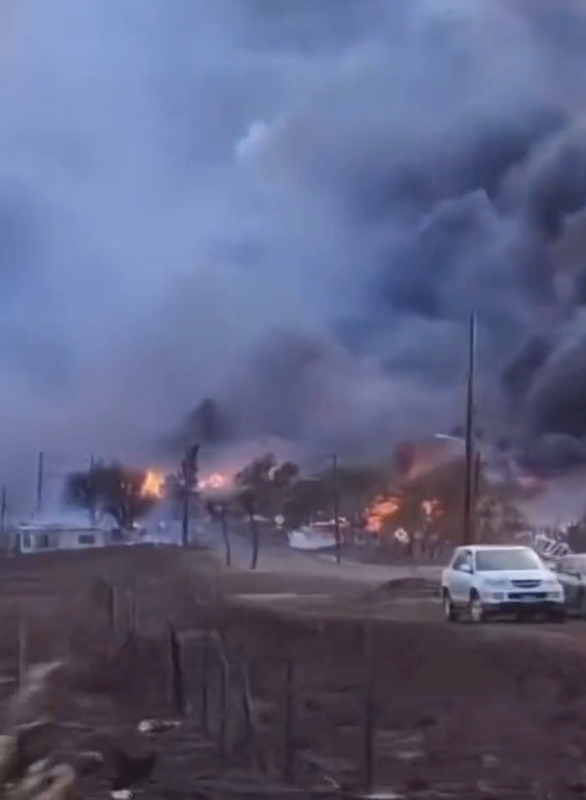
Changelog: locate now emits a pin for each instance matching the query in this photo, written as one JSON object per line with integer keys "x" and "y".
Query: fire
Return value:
{"x": 154, "y": 484}
{"x": 217, "y": 480}
{"x": 380, "y": 511}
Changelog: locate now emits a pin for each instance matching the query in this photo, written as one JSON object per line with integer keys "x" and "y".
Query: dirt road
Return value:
{"x": 281, "y": 560}
{"x": 314, "y": 585}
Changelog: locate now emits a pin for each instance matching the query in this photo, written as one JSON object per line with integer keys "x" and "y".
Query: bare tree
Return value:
{"x": 110, "y": 489}
{"x": 264, "y": 486}
{"x": 189, "y": 473}
{"x": 82, "y": 490}
{"x": 218, "y": 511}
{"x": 249, "y": 504}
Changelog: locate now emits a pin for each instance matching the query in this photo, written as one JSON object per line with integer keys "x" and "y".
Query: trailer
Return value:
{"x": 36, "y": 538}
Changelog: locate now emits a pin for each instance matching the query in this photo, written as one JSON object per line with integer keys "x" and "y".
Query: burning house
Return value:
{"x": 427, "y": 497}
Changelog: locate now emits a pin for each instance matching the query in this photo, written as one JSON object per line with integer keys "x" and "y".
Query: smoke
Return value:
{"x": 290, "y": 209}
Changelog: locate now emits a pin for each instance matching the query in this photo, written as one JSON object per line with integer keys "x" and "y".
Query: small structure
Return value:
{"x": 37, "y": 538}
{"x": 308, "y": 538}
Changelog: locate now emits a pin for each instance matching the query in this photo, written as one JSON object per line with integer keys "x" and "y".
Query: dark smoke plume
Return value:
{"x": 290, "y": 209}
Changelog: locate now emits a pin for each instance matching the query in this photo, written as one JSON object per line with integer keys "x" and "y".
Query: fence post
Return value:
{"x": 135, "y": 613}
{"x": 176, "y": 673}
{"x": 247, "y": 698}
{"x": 22, "y": 649}
{"x": 289, "y": 738}
{"x": 131, "y": 597}
{"x": 369, "y": 705}
{"x": 111, "y": 607}
{"x": 205, "y": 667}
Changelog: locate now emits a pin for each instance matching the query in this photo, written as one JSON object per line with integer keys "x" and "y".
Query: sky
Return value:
{"x": 291, "y": 207}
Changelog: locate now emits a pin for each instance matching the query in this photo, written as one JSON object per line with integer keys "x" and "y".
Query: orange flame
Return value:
{"x": 383, "y": 508}
{"x": 153, "y": 485}
{"x": 379, "y": 512}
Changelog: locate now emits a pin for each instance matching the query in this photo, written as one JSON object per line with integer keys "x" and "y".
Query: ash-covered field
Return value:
{"x": 456, "y": 711}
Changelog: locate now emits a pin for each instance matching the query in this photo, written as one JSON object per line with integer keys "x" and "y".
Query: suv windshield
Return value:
{"x": 507, "y": 558}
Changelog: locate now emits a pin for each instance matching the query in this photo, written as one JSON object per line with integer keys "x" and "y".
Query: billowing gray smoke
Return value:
{"x": 292, "y": 208}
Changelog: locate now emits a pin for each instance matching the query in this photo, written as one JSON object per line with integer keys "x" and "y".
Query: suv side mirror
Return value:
{"x": 467, "y": 568}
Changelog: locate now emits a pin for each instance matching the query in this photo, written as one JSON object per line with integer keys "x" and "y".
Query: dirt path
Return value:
{"x": 313, "y": 585}
{"x": 292, "y": 565}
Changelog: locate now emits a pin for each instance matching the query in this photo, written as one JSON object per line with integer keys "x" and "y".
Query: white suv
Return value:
{"x": 499, "y": 579}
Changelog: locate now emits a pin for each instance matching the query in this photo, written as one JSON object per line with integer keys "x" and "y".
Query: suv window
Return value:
{"x": 505, "y": 558}
{"x": 464, "y": 557}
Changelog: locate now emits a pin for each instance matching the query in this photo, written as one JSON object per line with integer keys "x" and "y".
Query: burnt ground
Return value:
{"x": 459, "y": 711}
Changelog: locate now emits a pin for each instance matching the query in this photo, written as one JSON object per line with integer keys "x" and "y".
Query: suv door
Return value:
{"x": 462, "y": 577}
{"x": 450, "y": 573}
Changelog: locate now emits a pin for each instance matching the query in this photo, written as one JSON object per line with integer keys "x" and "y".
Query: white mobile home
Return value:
{"x": 41, "y": 538}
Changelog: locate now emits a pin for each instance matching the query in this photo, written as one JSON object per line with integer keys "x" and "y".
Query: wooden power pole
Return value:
{"x": 336, "y": 504}
{"x": 3, "y": 508}
{"x": 40, "y": 478}
{"x": 468, "y": 536}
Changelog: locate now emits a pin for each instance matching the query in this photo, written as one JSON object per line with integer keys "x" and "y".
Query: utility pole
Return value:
{"x": 477, "y": 475}
{"x": 336, "y": 504}
{"x": 468, "y": 537}
{"x": 189, "y": 481}
{"x": 477, "y": 526}
{"x": 40, "y": 471}
{"x": 91, "y": 492}
{"x": 3, "y": 510}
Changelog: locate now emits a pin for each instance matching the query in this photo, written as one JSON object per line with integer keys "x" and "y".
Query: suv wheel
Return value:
{"x": 450, "y": 612}
{"x": 475, "y": 608}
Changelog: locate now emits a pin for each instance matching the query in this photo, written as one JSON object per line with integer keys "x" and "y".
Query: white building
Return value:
{"x": 36, "y": 538}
